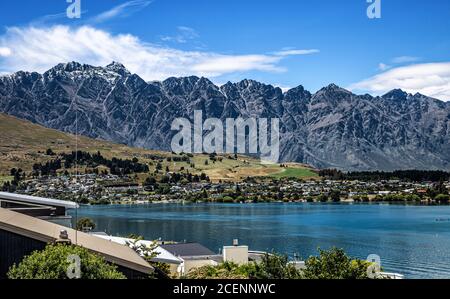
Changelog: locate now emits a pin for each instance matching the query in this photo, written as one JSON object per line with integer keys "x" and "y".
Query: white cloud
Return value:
{"x": 121, "y": 10}
{"x": 38, "y": 49}
{"x": 431, "y": 79}
{"x": 222, "y": 64}
{"x": 5, "y": 52}
{"x": 283, "y": 88}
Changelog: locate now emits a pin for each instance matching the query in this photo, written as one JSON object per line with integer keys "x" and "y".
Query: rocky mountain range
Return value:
{"x": 332, "y": 128}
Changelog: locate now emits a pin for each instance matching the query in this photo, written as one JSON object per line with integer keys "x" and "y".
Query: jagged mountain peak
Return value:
{"x": 333, "y": 88}
{"x": 298, "y": 92}
{"x": 331, "y": 128}
{"x": 205, "y": 82}
{"x": 396, "y": 94}
{"x": 119, "y": 68}
{"x": 250, "y": 83}
{"x": 70, "y": 67}
{"x": 187, "y": 85}
{"x": 331, "y": 94}
{"x": 192, "y": 80}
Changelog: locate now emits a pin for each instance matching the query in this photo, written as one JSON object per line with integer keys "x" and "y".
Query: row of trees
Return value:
{"x": 117, "y": 166}
{"x": 331, "y": 264}
{"x": 175, "y": 178}
{"x": 68, "y": 160}
{"x": 53, "y": 263}
{"x": 412, "y": 198}
{"x": 12, "y": 186}
{"x": 408, "y": 175}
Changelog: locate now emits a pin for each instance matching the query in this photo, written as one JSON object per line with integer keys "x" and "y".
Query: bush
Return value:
{"x": 275, "y": 266}
{"x": 85, "y": 223}
{"x": 322, "y": 198}
{"x": 52, "y": 263}
{"x": 228, "y": 199}
{"x": 442, "y": 198}
{"x": 332, "y": 264}
{"x": 223, "y": 271}
{"x": 335, "y": 264}
{"x": 272, "y": 266}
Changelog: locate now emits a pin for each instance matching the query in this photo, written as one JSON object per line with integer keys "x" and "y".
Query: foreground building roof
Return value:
{"x": 48, "y": 232}
{"x": 38, "y": 200}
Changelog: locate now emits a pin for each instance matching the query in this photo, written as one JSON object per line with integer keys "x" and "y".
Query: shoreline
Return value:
{"x": 267, "y": 202}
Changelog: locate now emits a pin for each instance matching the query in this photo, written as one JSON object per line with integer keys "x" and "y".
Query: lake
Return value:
{"x": 411, "y": 240}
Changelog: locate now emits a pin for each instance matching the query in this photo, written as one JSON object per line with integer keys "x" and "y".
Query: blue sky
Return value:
{"x": 285, "y": 43}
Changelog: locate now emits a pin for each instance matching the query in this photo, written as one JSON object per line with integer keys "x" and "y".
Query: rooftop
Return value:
{"x": 48, "y": 232}
{"x": 163, "y": 256}
{"x": 38, "y": 200}
{"x": 188, "y": 249}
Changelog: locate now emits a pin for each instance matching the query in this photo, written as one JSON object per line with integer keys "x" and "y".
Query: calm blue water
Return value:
{"x": 411, "y": 240}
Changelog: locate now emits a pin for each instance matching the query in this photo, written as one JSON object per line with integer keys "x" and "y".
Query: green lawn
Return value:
{"x": 5, "y": 179}
{"x": 294, "y": 173}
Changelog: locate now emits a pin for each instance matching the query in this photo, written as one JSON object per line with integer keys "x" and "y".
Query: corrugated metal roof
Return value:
{"x": 188, "y": 249}
{"x": 38, "y": 200}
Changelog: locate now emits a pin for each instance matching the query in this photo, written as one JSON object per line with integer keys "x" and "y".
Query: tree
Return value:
{"x": 275, "y": 266}
{"x": 150, "y": 181}
{"x": 335, "y": 264}
{"x": 53, "y": 263}
{"x": 148, "y": 252}
{"x": 322, "y": 198}
{"x": 335, "y": 195}
{"x": 85, "y": 223}
{"x": 203, "y": 177}
{"x": 442, "y": 198}
{"x": 49, "y": 152}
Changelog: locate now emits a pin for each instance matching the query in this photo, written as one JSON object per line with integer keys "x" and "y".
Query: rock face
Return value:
{"x": 331, "y": 128}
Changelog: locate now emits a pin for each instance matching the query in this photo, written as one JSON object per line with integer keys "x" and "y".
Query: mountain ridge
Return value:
{"x": 329, "y": 128}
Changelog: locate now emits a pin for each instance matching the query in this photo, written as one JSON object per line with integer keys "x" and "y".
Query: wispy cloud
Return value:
{"x": 291, "y": 52}
{"x": 405, "y": 59}
{"x": 184, "y": 34}
{"x": 119, "y": 11}
{"x": 431, "y": 79}
{"x": 397, "y": 60}
{"x": 38, "y": 49}
{"x": 122, "y": 10}
{"x": 383, "y": 67}
{"x": 50, "y": 18}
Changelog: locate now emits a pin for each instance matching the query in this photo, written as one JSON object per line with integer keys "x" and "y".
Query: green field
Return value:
{"x": 295, "y": 173}
{"x": 4, "y": 179}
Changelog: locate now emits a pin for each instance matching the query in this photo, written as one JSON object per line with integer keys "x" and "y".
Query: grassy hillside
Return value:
{"x": 24, "y": 144}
